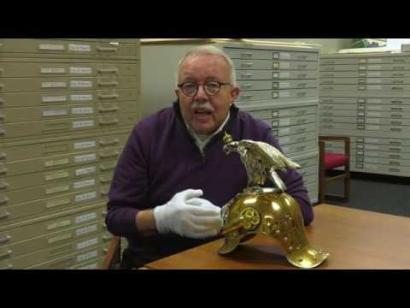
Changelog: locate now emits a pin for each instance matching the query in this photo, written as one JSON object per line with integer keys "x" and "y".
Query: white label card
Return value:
{"x": 85, "y": 217}
{"x": 84, "y": 144}
{"x": 85, "y": 158}
{"x": 81, "y": 97}
{"x": 84, "y": 171}
{"x": 86, "y": 230}
{"x": 85, "y": 183}
{"x": 80, "y": 70}
{"x": 53, "y": 99}
{"x": 85, "y": 123}
{"x": 79, "y": 47}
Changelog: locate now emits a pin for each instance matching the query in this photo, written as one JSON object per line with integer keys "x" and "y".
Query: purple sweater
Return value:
{"x": 161, "y": 159}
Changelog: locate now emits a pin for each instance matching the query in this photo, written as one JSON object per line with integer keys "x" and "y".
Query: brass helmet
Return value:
{"x": 277, "y": 215}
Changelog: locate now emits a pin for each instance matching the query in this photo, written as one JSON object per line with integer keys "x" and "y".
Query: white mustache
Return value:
{"x": 201, "y": 106}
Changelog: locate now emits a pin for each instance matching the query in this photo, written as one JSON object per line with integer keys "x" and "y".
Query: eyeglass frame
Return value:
{"x": 220, "y": 84}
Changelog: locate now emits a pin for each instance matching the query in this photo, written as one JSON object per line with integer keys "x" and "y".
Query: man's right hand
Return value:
{"x": 188, "y": 215}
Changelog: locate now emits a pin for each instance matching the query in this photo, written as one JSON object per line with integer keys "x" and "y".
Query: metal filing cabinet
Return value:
{"x": 279, "y": 84}
{"x": 66, "y": 110}
{"x": 367, "y": 97}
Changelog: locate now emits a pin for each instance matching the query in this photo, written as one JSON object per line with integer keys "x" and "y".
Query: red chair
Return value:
{"x": 328, "y": 162}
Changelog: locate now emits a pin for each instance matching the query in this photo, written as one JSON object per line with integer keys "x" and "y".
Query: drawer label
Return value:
{"x": 85, "y": 183}
{"x": 58, "y": 162}
{"x": 57, "y": 189}
{"x": 81, "y": 97}
{"x": 56, "y": 175}
{"x": 86, "y": 230}
{"x": 59, "y": 224}
{"x": 85, "y": 197}
{"x": 86, "y": 256}
{"x": 87, "y": 170}
{"x": 52, "y": 70}
{"x": 84, "y": 144}
{"x": 51, "y": 47}
{"x": 59, "y": 202}
{"x": 53, "y": 99}
{"x": 85, "y": 217}
{"x": 87, "y": 243}
{"x": 79, "y": 47}
{"x": 85, "y": 157}
{"x": 82, "y": 110}
{"x": 80, "y": 70}
{"x": 54, "y": 84}
{"x": 84, "y": 123}
{"x": 81, "y": 84}
{"x": 53, "y": 113}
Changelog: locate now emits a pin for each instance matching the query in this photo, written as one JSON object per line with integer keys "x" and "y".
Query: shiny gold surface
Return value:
{"x": 270, "y": 211}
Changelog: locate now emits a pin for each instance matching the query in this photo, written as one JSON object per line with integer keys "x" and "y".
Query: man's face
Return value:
{"x": 205, "y": 113}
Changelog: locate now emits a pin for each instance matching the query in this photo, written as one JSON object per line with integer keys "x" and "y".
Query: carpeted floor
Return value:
{"x": 385, "y": 194}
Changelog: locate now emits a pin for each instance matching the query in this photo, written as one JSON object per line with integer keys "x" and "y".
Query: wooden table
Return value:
{"x": 356, "y": 239}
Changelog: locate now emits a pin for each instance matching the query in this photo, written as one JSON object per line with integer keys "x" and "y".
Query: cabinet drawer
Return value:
{"x": 31, "y": 68}
{"x": 299, "y": 75}
{"x": 62, "y": 221}
{"x": 56, "y": 190}
{"x": 71, "y": 260}
{"x": 295, "y": 55}
{"x": 69, "y": 48}
{"x": 25, "y": 180}
{"x": 48, "y": 254}
{"x": 244, "y": 53}
{"x": 56, "y": 238}
{"x": 72, "y": 83}
{"x": 296, "y": 139}
{"x": 67, "y": 97}
{"x": 70, "y": 125}
{"x": 22, "y": 114}
{"x": 44, "y": 148}
{"x": 292, "y": 130}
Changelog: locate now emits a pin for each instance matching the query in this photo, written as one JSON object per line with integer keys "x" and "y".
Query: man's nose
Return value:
{"x": 200, "y": 94}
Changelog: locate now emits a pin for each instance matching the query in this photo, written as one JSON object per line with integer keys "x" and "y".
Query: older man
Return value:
{"x": 173, "y": 176}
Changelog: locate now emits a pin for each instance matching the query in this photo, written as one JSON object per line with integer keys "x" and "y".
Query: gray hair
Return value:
{"x": 208, "y": 50}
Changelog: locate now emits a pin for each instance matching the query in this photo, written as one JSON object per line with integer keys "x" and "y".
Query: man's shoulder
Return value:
{"x": 159, "y": 118}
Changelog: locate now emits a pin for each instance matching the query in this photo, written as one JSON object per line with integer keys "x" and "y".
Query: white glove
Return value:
{"x": 188, "y": 215}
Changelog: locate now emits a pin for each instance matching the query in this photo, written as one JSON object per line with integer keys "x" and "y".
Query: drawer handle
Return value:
{"x": 4, "y": 215}
{"x": 6, "y": 254}
{"x": 108, "y": 70}
{"x": 108, "y": 83}
{"x": 247, "y": 86}
{"x": 246, "y": 96}
{"x": 396, "y": 123}
{"x": 1, "y": 86}
{"x": 3, "y": 171}
{"x": 395, "y": 129}
{"x": 396, "y": 102}
{"x": 104, "y": 192}
{"x": 4, "y": 201}
{"x": 107, "y": 96}
{"x": 104, "y": 143}
{"x": 5, "y": 239}
{"x": 3, "y": 185}
{"x": 103, "y": 213}
{"x": 104, "y": 180}
{"x": 107, "y": 122}
{"x": 394, "y": 156}
{"x": 1, "y": 101}
{"x": 107, "y": 109}
{"x": 3, "y": 155}
{"x": 2, "y": 132}
{"x": 394, "y": 170}
{"x": 110, "y": 49}
{"x": 1, "y": 70}
{"x": 301, "y": 139}
{"x": 397, "y": 88}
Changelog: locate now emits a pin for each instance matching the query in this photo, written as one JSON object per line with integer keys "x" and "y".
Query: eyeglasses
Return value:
{"x": 211, "y": 87}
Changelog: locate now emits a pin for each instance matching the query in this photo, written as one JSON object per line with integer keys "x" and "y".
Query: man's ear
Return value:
{"x": 177, "y": 92}
{"x": 235, "y": 93}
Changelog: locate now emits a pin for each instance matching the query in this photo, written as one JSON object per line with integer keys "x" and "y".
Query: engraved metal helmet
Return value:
{"x": 276, "y": 215}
